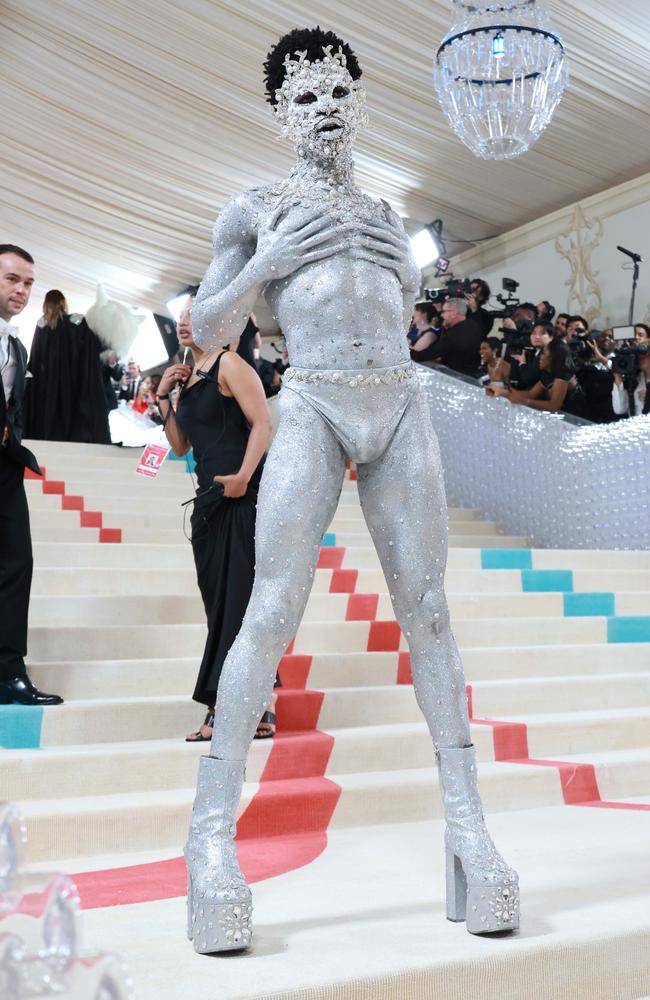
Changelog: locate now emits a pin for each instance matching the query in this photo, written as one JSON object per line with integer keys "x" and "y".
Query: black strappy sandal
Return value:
{"x": 198, "y": 736}
{"x": 267, "y": 720}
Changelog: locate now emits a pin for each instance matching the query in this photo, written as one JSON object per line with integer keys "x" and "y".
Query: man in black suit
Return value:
{"x": 131, "y": 381}
{"x": 458, "y": 347}
{"x": 16, "y": 280}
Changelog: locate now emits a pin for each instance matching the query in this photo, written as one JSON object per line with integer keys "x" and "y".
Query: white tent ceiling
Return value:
{"x": 126, "y": 125}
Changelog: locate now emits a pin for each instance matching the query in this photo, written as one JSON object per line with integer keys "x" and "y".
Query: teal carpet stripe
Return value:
{"x": 629, "y": 628}
{"x": 535, "y": 581}
{"x": 583, "y": 605}
{"x": 20, "y": 727}
{"x": 506, "y": 559}
{"x": 329, "y": 539}
{"x": 190, "y": 464}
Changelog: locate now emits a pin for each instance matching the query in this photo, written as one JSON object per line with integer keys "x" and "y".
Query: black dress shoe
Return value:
{"x": 19, "y": 690}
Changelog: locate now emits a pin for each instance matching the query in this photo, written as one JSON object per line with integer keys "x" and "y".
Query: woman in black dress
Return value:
{"x": 223, "y": 416}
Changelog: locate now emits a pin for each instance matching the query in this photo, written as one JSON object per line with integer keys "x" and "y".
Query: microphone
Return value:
{"x": 636, "y": 257}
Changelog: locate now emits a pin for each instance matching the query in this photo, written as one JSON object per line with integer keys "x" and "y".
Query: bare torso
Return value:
{"x": 341, "y": 312}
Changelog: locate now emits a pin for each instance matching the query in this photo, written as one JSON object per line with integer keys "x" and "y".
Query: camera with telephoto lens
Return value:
{"x": 453, "y": 288}
{"x": 518, "y": 339}
{"x": 625, "y": 360}
{"x": 579, "y": 346}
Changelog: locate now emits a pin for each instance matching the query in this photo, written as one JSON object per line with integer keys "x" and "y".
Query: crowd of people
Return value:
{"x": 533, "y": 357}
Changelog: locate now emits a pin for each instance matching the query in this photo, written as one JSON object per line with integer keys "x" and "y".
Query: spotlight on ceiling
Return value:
{"x": 428, "y": 245}
{"x": 176, "y": 305}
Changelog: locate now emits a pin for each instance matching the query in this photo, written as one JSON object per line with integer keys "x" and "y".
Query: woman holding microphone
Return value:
{"x": 223, "y": 416}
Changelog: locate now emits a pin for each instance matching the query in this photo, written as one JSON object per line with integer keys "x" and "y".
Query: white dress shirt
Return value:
{"x": 621, "y": 399}
{"x": 7, "y": 358}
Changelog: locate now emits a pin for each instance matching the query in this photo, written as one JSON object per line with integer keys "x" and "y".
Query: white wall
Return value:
{"x": 595, "y": 279}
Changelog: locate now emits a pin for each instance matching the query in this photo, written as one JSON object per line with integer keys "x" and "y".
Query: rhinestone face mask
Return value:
{"x": 320, "y": 107}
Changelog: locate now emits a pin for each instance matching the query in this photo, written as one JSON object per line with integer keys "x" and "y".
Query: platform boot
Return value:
{"x": 482, "y": 889}
{"x": 219, "y": 903}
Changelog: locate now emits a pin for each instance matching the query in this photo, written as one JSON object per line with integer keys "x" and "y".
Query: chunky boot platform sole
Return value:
{"x": 216, "y": 925}
{"x": 486, "y": 907}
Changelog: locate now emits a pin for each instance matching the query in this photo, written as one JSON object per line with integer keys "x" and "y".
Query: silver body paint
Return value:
{"x": 350, "y": 393}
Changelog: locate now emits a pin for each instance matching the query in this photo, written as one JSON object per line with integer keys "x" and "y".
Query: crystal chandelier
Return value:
{"x": 500, "y": 74}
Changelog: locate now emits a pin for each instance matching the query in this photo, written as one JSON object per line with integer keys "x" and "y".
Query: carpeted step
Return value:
{"x": 126, "y": 822}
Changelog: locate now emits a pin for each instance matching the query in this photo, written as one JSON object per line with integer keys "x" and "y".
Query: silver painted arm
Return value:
{"x": 231, "y": 285}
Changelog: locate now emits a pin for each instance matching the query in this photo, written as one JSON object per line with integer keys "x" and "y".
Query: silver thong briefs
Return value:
{"x": 362, "y": 407}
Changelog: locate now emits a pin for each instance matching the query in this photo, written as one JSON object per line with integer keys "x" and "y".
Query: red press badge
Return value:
{"x": 151, "y": 459}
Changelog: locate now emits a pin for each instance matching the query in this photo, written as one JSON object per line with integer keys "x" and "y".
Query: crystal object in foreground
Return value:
{"x": 500, "y": 73}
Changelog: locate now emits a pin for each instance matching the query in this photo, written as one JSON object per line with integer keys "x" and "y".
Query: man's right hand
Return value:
{"x": 172, "y": 376}
{"x": 284, "y": 246}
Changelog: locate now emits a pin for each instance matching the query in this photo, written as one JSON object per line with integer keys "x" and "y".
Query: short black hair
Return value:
{"x": 546, "y": 327}
{"x": 530, "y": 307}
{"x": 19, "y": 252}
{"x": 578, "y": 319}
{"x": 309, "y": 40}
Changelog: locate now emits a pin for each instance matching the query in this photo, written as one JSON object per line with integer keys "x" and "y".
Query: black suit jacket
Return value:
{"x": 458, "y": 348}
{"x": 11, "y": 412}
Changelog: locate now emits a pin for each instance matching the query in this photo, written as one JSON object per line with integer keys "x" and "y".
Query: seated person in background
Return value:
{"x": 642, "y": 333}
{"x": 459, "y": 343}
{"x": 621, "y": 401}
{"x": 524, "y": 365}
{"x": 145, "y": 401}
{"x": 425, "y": 327}
{"x": 557, "y": 388}
{"x": 492, "y": 364}
{"x": 476, "y": 299}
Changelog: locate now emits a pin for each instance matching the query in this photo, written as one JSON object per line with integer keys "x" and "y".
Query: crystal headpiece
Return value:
{"x": 298, "y": 62}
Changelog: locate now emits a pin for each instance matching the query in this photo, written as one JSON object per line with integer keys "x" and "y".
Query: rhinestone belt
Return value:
{"x": 379, "y": 376}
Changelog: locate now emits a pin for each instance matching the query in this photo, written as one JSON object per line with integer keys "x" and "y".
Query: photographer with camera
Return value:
{"x": 524, "y": 364}
{"x": 476, "y": 298}
{"x": 631, "y": 389}
{"x": 589, "y": 353}
{"x": 576, "y": 327}
{"x": 557, "y": 389}
{"x": 459, "y": 343}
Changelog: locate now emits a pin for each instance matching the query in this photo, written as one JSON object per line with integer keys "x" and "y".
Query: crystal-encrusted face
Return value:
{"x": 320, "y": 106}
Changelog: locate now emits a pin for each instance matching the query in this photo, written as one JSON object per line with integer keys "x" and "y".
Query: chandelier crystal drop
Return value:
{"x": 500, "y": 73}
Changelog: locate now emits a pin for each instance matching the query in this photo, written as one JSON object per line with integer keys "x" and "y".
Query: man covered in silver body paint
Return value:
{"x": 336, "y": 267}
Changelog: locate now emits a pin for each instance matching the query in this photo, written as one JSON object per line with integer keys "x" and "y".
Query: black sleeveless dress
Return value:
{"x": 223, "y": 530}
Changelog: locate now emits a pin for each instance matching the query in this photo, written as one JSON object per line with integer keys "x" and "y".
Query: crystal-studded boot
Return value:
{"x": 482, "y": 889}
{"x": 219, "y": 903}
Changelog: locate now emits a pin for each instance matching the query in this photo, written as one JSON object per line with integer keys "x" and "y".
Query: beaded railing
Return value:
{"x": 40, "y": 931}
{"x": 562, "y": 482}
